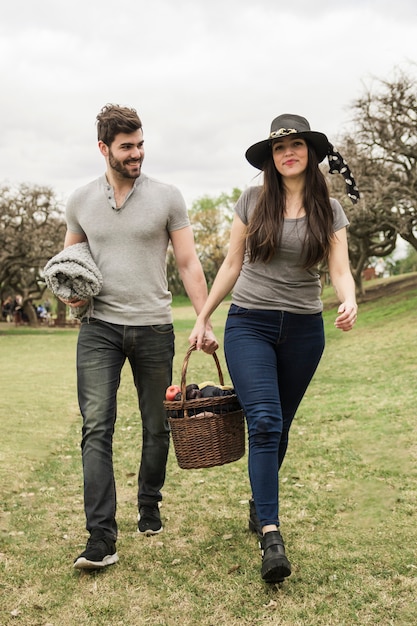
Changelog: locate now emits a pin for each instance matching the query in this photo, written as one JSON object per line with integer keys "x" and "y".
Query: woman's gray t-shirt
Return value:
{"x": 282, "y": 283}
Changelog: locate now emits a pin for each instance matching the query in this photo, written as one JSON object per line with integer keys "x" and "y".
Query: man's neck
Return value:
{"x": 120, "y": 184}
{"x": 121, "y": 187}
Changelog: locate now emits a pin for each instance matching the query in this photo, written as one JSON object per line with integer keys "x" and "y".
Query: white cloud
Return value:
{"x": 206, "y": 77}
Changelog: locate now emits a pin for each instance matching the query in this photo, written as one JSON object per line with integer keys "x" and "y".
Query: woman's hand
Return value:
{"x": 210, "y": 343}
{"x": 347, "y": 316}
{"x": 203, "y": 337}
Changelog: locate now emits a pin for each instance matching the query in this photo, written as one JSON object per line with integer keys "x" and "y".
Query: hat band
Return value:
{"x": 282, "y": 132}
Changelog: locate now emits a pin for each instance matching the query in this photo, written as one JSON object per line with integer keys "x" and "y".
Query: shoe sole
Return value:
{"x": 83, "y": 563}
{"x": 149, "y": 532}
{"x": 276, "y": 574}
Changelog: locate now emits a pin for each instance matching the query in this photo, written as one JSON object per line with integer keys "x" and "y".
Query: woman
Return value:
{"x": 282, "y": 231}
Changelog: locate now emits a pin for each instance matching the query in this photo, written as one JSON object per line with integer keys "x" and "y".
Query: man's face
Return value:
{"x": 125, "y": 154}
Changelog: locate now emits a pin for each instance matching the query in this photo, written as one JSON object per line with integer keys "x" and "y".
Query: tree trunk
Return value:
{"x": 61, "y": 313}
{"x": 30, "y": 313}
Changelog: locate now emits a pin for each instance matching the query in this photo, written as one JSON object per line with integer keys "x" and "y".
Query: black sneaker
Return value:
{"x": 254, "y": 523}
{"x": 275, "y": 565}
{"x": 100, "y": 551}
{"x": 149, "y": 519}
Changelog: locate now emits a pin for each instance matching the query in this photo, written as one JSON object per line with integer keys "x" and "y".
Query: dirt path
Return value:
{"x": 379, "y": 288}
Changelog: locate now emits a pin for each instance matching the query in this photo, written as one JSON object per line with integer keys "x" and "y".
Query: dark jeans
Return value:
{"x": 101, "y": 353}
{"x": 271, "y": 357}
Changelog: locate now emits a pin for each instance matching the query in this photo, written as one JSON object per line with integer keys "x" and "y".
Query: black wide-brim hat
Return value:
{"x": 282, "y": 126}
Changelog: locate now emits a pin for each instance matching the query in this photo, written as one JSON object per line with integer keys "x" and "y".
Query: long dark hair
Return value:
{"x": 266, "y": 223}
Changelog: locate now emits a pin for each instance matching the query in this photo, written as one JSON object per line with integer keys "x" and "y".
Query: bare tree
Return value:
{"x": 32, "y": 230}
{"x": 386, "y": 121}
{"x": 372, "y": 232}
{"x": 382, "y": 152}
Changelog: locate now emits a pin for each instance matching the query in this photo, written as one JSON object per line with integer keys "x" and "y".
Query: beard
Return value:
{"x": 121, "y": 169}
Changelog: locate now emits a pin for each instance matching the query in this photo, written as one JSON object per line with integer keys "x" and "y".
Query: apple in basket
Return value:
{"x": 171, "y": 392}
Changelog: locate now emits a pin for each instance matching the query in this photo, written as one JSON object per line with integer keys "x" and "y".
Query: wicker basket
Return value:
{"x": 206, "y": 431}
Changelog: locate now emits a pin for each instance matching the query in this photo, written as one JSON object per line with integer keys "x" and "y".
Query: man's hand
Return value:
{"x": 203, "y": 337}
{"x": 74, "y": 303}
{"x": 210, "y": 343}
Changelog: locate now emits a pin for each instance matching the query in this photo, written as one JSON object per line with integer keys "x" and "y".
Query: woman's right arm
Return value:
{"x": 224, "y": 282}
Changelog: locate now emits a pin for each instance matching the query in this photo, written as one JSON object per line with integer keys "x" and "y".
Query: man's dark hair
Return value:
{"x": 114, "y": 119}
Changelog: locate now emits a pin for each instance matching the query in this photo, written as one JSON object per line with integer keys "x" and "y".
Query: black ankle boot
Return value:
{"x": 275, "y": 565}
{"x": 254, "y": 523}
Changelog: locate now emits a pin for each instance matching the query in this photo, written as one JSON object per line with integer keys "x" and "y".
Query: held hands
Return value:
{"x": 203, "y": 337}
{"x": 210, "y": 343}
{"x": 347, "y": 316}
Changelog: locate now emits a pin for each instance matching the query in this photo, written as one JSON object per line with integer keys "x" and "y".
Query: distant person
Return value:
{"x": 282, "y": 231}
{"x": 18, "y": 310}
{"x": 47, "y": 306}
{"x": 7, "y": 309}
{"x": 41, "y": 313}
{"x": 128, "y": 220}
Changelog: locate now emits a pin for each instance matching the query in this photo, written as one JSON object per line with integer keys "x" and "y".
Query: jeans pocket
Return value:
{"x": 238, "y": 310}
{"x": 163, "y": 329}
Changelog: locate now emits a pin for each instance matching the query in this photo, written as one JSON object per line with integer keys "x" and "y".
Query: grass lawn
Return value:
{"x": 348, "y": 494}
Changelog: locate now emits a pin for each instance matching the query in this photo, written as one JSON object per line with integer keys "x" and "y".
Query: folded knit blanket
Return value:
{"x": 73, "y": 274}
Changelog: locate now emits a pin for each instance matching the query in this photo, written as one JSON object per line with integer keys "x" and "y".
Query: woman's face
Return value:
{"x": 290, "y": 155}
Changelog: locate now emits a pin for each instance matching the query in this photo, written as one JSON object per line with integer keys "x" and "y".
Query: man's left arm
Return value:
{"x": 192, "y": 276}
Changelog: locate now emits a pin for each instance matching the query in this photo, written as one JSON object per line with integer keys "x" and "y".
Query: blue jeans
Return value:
{"x": 271, "y": 357}
{"x": 101, "y": 353}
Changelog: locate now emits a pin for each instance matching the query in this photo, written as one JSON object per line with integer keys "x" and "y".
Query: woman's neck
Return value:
{"x": 294, "y": 198}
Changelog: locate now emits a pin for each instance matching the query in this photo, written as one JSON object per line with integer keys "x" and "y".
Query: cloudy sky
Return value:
{"x": 206, "y": 76}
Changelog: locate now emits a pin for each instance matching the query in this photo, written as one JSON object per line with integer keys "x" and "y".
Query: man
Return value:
{"x": 128, "y": 219}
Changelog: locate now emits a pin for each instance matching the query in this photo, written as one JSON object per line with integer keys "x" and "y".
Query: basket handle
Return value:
{"x": 185, "y": 366}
